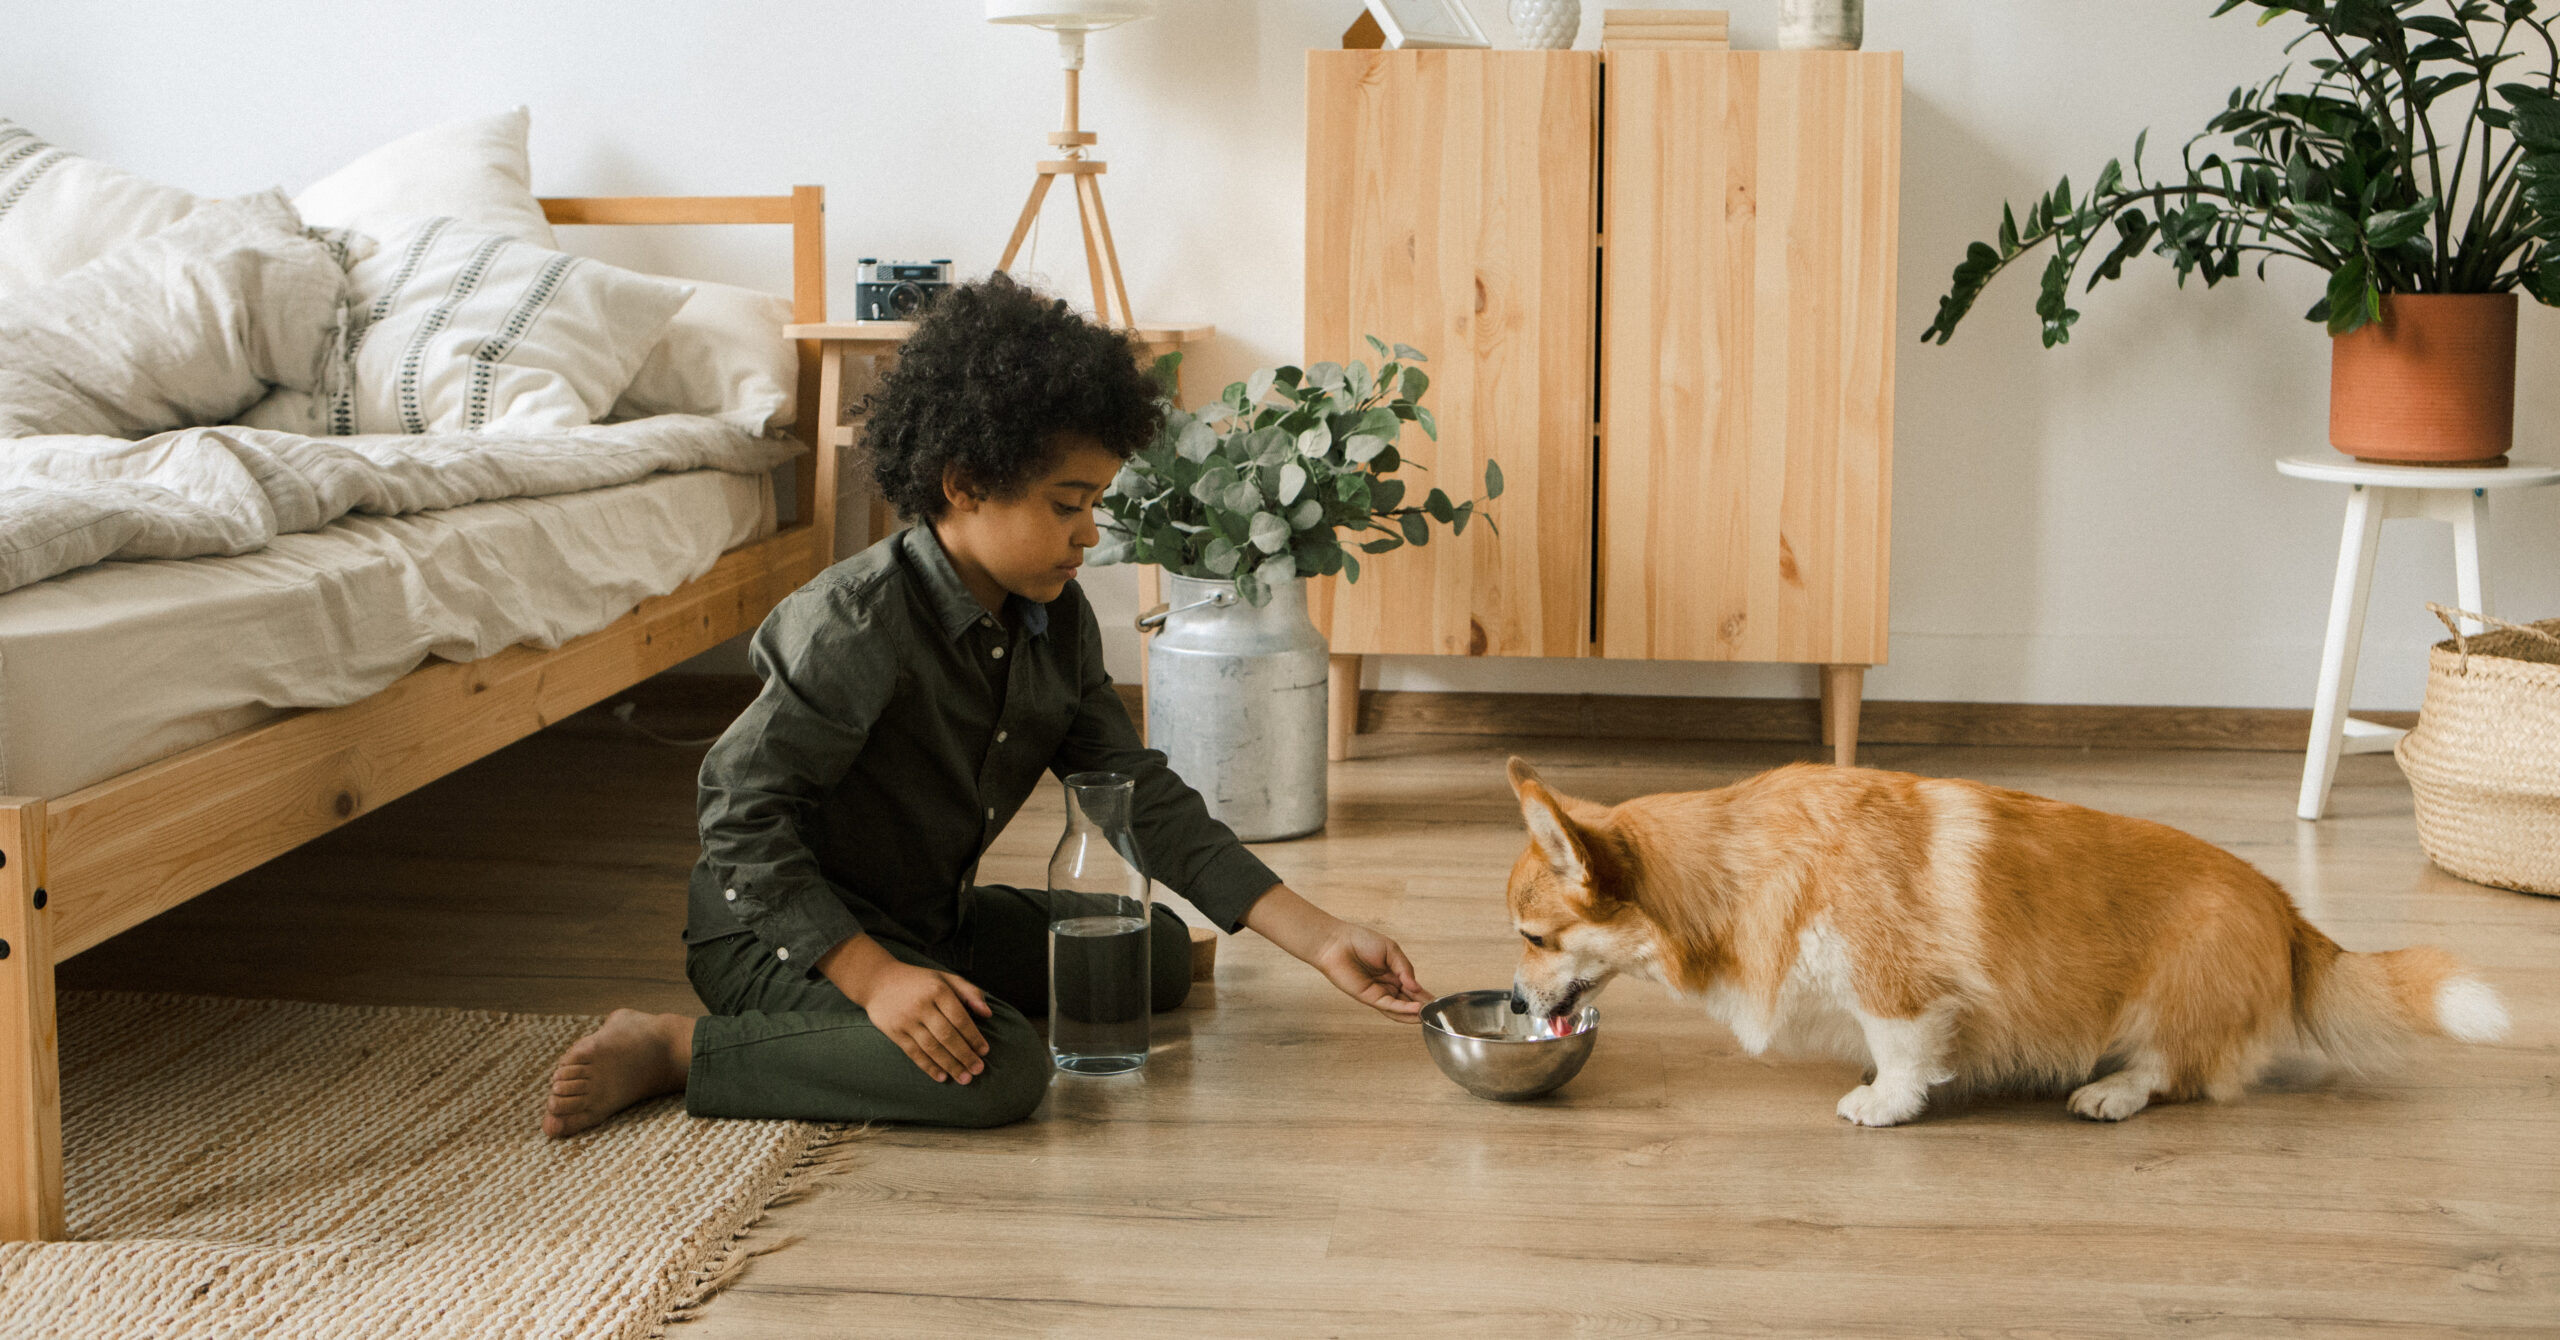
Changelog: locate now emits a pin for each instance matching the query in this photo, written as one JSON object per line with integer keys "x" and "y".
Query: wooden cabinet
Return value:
{"x": 1451, "y": 198}
{"x": 1658, "y": 287}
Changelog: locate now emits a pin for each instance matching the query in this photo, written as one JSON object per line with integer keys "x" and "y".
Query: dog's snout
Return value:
{"x": 1519, "y": 1003}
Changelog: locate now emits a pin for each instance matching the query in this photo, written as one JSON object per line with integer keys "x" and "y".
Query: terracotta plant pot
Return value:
{"x": 2432, "y": 383}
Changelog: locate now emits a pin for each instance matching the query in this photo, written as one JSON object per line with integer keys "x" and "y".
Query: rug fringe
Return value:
{"x": 831, "y": 1154}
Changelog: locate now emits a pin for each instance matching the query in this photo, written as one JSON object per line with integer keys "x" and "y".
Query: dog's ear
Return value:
{"x": 1520, "y": 772}
{"x": 1559, "y": 839}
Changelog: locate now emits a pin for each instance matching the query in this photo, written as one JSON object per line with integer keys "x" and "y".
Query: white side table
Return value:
{"x": 2375, "y": 494}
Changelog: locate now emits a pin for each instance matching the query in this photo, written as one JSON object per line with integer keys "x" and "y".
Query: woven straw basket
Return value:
{"x": 2484, "y": 760}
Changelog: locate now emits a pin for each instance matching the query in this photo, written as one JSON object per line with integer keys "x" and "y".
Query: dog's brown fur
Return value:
{"x": 1952, "y": 932}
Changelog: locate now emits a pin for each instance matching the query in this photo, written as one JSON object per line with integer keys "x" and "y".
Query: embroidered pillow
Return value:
{"x": 475, "y": 170}
{"x": 723, "y": 358}
{"x": 188, "y": 326}
{"x": 59, "y": 211}
{"x": 457, "y": 329}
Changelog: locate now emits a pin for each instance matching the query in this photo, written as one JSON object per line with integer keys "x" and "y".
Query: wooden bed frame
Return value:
{"x": 79, "y": 868}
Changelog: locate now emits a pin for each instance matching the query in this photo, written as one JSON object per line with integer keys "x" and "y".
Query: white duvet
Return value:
{"x": 67, "y": 502}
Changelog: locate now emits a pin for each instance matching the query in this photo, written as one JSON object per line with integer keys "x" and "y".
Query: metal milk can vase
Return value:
{"x": 1236, "y": 700}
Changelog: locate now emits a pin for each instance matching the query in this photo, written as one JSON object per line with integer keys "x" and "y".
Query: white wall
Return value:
{"x": 2094, "y": 524}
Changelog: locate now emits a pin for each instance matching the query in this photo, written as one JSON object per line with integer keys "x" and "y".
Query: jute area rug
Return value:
{"x": 271, "y": 1169}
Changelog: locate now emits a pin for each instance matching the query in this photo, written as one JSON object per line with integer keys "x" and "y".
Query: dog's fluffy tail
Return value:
{"x": 2361, "y": 1009}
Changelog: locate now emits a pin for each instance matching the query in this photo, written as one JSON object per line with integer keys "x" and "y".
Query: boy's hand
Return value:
{"x": 925, "y": 1011}
{"x": 1365, "y": 965}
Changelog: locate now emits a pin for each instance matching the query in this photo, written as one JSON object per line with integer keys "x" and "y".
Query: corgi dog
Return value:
{"x": 1951, "y": 933}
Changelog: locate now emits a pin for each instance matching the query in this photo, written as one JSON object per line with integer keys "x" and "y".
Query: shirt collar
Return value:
{"x": 952, "y": 603}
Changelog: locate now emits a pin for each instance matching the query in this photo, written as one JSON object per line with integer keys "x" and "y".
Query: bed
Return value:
{"x": 120, "y": 813}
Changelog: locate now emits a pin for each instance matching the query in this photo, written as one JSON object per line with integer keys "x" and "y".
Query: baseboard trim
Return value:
{"x": 699, "y": 701}
{"x": 1799, "y": 720}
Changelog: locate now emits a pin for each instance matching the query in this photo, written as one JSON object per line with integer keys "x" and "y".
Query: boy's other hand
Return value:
{"x": 927, "y": 1013}
{"x": 923, "y": 1010}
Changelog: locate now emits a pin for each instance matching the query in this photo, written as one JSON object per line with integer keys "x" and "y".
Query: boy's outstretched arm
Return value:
{"x": 1367, "y": 966}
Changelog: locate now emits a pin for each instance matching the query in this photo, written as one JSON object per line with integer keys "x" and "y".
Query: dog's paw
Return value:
{"x": 2114, "y": 1098}
{"x": 1868, "y": 1105}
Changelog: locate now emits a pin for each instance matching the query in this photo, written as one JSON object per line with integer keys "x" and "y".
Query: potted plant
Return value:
{"x": 1240, "y": 502}
{"x": 2426, "y": 224}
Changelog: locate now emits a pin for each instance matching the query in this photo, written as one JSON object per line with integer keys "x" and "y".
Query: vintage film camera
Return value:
{"x": 897, "y": 290}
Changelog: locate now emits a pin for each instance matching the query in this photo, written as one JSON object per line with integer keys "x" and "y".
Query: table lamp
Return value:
{"x": 1071, "y": 20}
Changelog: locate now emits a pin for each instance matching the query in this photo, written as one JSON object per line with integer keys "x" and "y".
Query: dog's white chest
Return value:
{"x": 1815, "y": 1010}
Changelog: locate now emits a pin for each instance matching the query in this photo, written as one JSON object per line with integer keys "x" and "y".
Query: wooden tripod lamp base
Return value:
{"x": 1101, "y": 257}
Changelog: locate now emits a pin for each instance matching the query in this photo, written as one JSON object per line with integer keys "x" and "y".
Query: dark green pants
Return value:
{"x": 780, "y": 1043}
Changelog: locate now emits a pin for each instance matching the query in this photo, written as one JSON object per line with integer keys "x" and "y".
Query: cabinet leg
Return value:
{"x": 1841, "y": 687}
{"x": 30, "y": 1074}
{"x": 1341, "y": 706}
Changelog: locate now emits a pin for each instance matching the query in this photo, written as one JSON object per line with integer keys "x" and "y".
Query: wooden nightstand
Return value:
{"x": 861, "y": 517}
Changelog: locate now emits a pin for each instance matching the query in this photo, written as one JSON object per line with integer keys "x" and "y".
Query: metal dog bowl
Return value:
{"x": 1476, "y": 1040}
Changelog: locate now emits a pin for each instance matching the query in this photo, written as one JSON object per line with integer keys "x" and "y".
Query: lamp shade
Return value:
{"x": 1068, "y": 16}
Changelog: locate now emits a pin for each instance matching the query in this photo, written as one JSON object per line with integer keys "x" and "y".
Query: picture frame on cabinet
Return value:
{"x": 1427, "y": 23}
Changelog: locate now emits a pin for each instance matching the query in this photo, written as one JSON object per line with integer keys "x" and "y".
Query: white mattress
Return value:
{"x": 119, "y": 664}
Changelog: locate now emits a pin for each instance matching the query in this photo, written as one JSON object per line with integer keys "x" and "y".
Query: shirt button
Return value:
{"x": 997, "y": 652}
{"x": 730, "y": 894}
{"x": 991, "y": 812}
{"x": 1000, "y": 737}
{"x": 783, "y": 953}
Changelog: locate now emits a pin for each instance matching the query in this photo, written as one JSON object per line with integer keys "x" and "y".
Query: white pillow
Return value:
{"x": 188, "y": 326}
{"x": 724, "y": 358}
{"x": 459, "y": 330}
{"x": 473, "y": 170}
{"x": 59, "y": 211}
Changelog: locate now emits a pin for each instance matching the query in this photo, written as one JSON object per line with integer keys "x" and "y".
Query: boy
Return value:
{"x": 913, "y": 694}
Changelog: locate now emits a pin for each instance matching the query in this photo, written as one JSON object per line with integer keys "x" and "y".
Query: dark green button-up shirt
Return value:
{"x": 899, "y": 728}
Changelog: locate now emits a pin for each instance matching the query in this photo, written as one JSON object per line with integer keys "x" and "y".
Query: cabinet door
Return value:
{"x": 1747, "y": 354}
{"x": 1450, "y": 206}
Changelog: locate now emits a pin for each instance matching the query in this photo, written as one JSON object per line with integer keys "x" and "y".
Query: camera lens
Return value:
{"x": 905, "y": 299}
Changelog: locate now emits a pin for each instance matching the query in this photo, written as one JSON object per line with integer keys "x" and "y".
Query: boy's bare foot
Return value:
{"x": 632, "y": 1056}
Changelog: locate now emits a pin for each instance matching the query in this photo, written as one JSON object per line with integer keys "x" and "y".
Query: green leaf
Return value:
{"x": 1268, "y": 446}
{"x": 1315, "y": 442}
{"x": 1244, "y": 498}
{"x": 1166, "y": 372}
{"x": 1377, "y": 344}
{"x": 1492, "y": 480}
{"x": 1307, "y": 513}
{"x": 1439, "y": 506}
{"x": 1113, "y": 549}
{"x": 1360, "y": 380}
{"x": 1381, "y": 546}
{"x": 1415, "y": 383}
{"x": 1258, "y": 385}
{"x": 1293, "y": 481}
{"x": 1270, "y": 532}
{"x": 2327, "y": 222}
{"x": 2393, "y": 227}
{"x": 1210, "y": 490}
{"x": 1277, "y": 569}
{"x": 2008, "y": 230}
{"x": 1221, "y": 557}
{"x": 1417, "y": 532}
{"x": 1363, "y": 448}
{"x": 1458, "y": 520}
{"x": 1410, "y": 354}
{"x": 1430, "y": 426}
{"x": 1325, "y": 374}
{"x": 1251, "y": 590}
{"x": 1196, "y": 442}
{"x": 1350, "y": 566}
{"x": 2347, "y": 305}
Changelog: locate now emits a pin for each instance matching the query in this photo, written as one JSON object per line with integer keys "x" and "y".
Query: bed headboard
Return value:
{"x": 805, "y": 210}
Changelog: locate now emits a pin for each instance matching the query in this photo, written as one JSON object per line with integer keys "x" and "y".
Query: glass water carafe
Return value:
{"x": 1099, "y": 913}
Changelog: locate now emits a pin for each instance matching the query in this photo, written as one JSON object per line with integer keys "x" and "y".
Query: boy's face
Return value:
{"x": 1031, "y": 545}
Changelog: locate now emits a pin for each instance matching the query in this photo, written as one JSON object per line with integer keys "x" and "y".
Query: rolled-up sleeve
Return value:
{"x": 828, "y": 673}
{"x": 1192, "y": 853}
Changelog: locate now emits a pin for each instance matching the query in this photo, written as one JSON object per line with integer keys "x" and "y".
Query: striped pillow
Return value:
{"x": 458, "y": 329}
{"x": 59, "y": 210}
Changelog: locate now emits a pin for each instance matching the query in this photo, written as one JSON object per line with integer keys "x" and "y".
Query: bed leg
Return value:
{"x": 30, "y": 1077}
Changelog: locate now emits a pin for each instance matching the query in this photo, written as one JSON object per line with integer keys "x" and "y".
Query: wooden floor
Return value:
{"x": 1290, "y": 1165}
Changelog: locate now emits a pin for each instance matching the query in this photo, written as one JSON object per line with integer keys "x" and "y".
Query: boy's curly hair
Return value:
{"x": 993, "y": 373}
